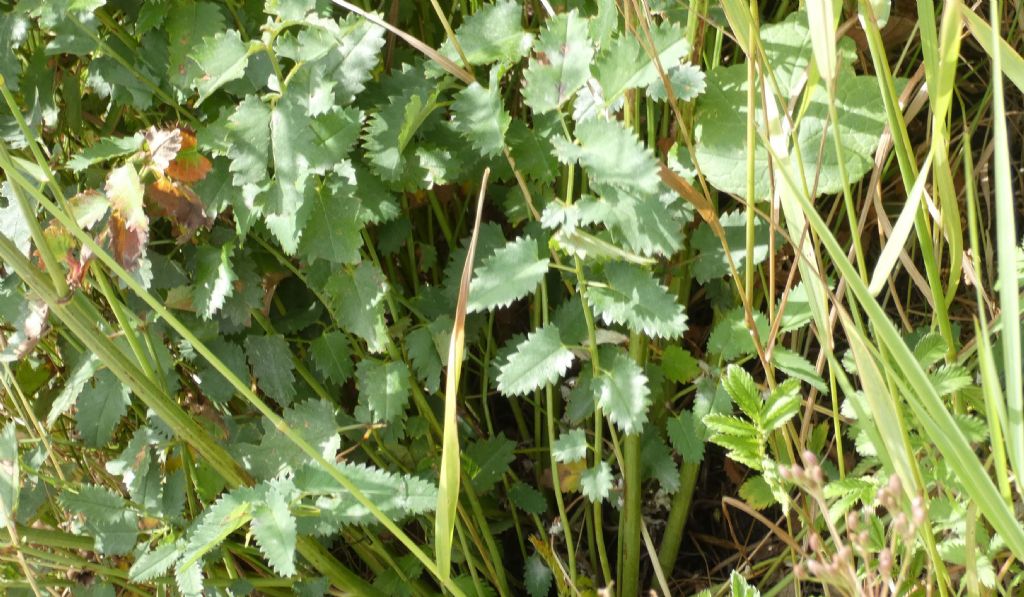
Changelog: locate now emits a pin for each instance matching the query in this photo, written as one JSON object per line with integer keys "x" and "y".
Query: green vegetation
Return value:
{"x": 511, "y": 298}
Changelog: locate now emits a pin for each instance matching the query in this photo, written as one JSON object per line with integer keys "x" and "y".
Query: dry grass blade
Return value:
{"x": 448, "y": 486}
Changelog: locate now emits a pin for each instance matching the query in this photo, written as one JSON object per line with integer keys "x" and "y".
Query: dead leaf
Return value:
{"x": 162, "y": 145}
{"x": 189, "y": 165}
{"x": 178, "y": 203}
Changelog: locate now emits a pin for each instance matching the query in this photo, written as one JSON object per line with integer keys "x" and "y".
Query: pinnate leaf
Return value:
{"x": 538, "y": 360}
{"x": 273, "y": 527}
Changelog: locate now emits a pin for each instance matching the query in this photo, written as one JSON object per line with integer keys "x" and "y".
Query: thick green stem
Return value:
{"x": 677, "y": 515}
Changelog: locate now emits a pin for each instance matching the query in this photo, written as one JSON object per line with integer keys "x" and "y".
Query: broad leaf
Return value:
{"x": 493, "y": 33}
{"x": 273, "y": 527}
{"x": 271, "y": 362}
{"x": 356, "y": 299}
{"x": 625, "y": 65}
{"x": 332, "y": 356}
{"x": 596, "y": 482}
{"x": 100, "y": 408}
{"x": 561, "y": 63}
{"x": 570, "y": 446}
{"x": 383, "y": 388}
{"x": 480, "y": 117}
{"x": 220, "y": 59}
{"x": 214, "y": 279}
{"x": 108, "y": 518}
{"x": 487, "y": 460}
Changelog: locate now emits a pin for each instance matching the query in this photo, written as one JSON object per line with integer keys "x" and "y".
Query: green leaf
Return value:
{"x": 596, "y": 482}
{"x": 154, "y": 562}
{"x": 711, "y": 260}
{"x": 731, "y": 339}
{"x": 398, "y": 496}
{"x": 273, "y": 527}
{"x": 228, "y": 514}
{"x": 540, "y": 359}
{"x": 390, "y": 131}
{"x": 686, "y": 433}
{"x": 220, "y": 59}
{"x": 214, "y": 280}
{"x": 795, "y": 365}
{"x": 339, "y": 57}
{"x": 10, "y": 483}
{"x": 570, "y": 446}
{"x": 623, "y": 393}
{"x": 108, "y": 518}
{"x": 13, "y": 223}
{"x": 744, "y": 392}
{"x": 740, "y": 588}
{"x": 333, "y": 232}
{"x": 783, "y": 404}
{"x": 657, "y": 462}
{"x": 384, "y": 388}
{"x": 271, "y": 360}
{"x": 494, "y": 33}
{"x": 107, "y": 148}
{"x": 314, "y": 421}
{"x": 100, "y": 408}
{"x": 72, "y": 387}
{"x": 187, "y": 24}
{"x": 487, "y": 460}
{"x": 756, "y": 493}
{"x": 624, "y": 65}
{"x": 527, "y": 498}
{"x": 480, "y": 117}
{"x": 332, "y": 356}
{"x": 561, "y": 64}
{"x": 687, "y": 83}
{"x": 612, "y": 155}
{"x": 633, "y": 297}
{"x": 357, "y": 300}
{"x": 508, "y": 274}
{"x": 425, "y": 357}
{"x": 248, "y": 141}
{"x": 537, "y": 577}
{"x": 679, "y": 365}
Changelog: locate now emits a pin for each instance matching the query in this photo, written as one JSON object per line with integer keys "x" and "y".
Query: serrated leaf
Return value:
{"x": 612, "y": 155}
{"x": 72, "y": 387}
{"x": 356, "y": 299}
{"x": 687, "y": 83}
{"x": 623, "y": 393}
{"x": 527, "y": 498}
{"x": 795, "y": 365}
{"x": 596, "y": 482}
{"x": 561, "y": 63}
{"x": 743, "y": 391}
{"x": 384, "y": 388}
{"x": 220, "y": 59}
{"x": 487, "y": 460}
{"x": 480, "y": 117}
{"x": 679, "y": 365}
{"x": 540, "y": 359}
{"x": 711, "y": 260}
{"x": 332, "y": 356}
{"x": 228, "y": 514}
{"x": 493, "y": 33}
{"x": 271, "y": 360}
{"x": 508, "y": 274}
{"x": 686, "y": 433}
{"x": 108, "y": 518}
{"x": 10, "y": 484}
{"x": 273, "y": 527}
{"x": 187, "y": 24}
{"x": 624, "y": 65}
{"x": 129, "y": 224}
{"x": 105, "y": 149}
{"x": 570, "y": 446}
{"x": 248, "y": 143}
{"x": 100, "y": 408}
{"x": 731, "y": 339}
{"x": 333, "y": 232}
{"x": 154, "y": 562}
{"x": 633, "y": 297}
{"x": 214, "y": 279}
{"x": 398, "y": 496}
{"x": 314, "y": 421}
{"x": 740, "y": 587}
{"x": 756, "y": 493}
{"x": 425, "y": 358}
{"x": 657, "y": 462}
{"x": 537, "y": 577}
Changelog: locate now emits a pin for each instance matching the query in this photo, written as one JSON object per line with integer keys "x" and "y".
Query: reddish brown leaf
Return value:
{"x": 179, "y": 204}
{"x": 163, "y": 145}
{"x": 189, "y": 166}
{"x": 128, "y": 242}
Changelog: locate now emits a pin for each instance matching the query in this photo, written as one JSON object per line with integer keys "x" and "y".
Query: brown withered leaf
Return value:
{"x": 189, "y": 165}
{"x": 178, "y": 203}
{"x": 129, "y": 225}
{"x": 162, "y": 145}
{"x": 128, "y": 242}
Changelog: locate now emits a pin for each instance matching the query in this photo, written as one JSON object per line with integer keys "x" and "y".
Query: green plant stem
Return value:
{"x": 629, "y": 580}
{"x": 678, "y": 513}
